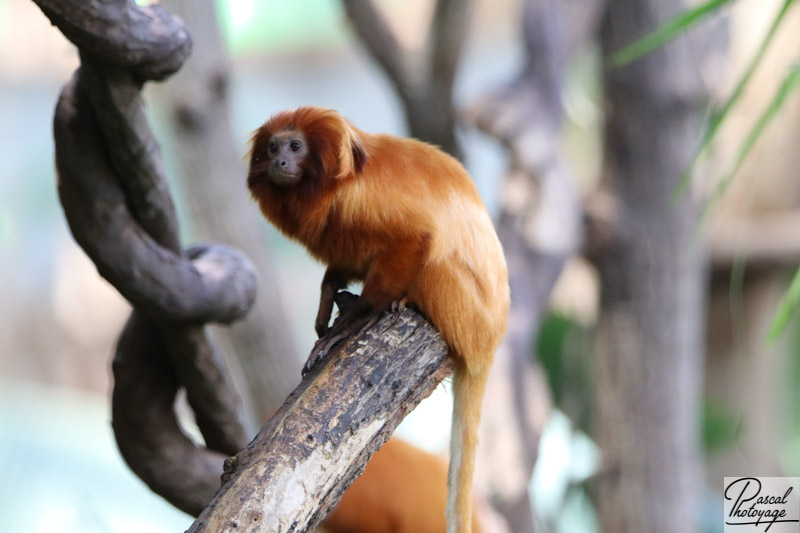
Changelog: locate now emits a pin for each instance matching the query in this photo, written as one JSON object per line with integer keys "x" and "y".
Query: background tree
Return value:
{"x": 422, "y": 78}
{"x": 212, "y": 176}
{"x": 650, "y": 336}
{"x": 540, "y": 228}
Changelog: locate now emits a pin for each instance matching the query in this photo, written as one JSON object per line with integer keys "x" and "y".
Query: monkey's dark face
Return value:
{"x": 286, "y": 150}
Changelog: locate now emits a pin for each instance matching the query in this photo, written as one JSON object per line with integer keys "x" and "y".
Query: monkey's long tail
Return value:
{"x": 468, "y": 387}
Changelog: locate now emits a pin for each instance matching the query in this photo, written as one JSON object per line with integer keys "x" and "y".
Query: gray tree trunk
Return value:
{"x": 650, "y": 338}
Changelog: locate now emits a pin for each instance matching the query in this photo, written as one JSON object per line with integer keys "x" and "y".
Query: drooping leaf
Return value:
{"x": 720, "y": 114}
{"x": 667, "y": 32}
{"x": 785, "y": 310}
{"x": 790, "y": 83}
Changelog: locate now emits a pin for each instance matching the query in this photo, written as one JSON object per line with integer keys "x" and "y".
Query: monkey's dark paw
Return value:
{"x": 313, "y": 360}
{"x": 321, "y": 328}
{"x": 319, "y": 352}
{"x": 344, "y": 327}
{"x": 345, "y": 300}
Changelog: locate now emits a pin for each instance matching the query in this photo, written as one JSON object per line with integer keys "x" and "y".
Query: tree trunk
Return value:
{"x": 650, "y": 336}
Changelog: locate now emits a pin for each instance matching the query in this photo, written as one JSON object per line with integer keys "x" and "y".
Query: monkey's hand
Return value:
{"x": 345, "y": 300}
{"x": 331, "y": 282}
{"x": 321, "y": 324}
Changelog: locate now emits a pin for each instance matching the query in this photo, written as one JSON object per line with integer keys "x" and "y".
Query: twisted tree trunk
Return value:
{"x": 212, "y": 178}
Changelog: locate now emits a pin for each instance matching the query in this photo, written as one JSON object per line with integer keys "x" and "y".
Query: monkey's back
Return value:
{"x": 412, "y": 190}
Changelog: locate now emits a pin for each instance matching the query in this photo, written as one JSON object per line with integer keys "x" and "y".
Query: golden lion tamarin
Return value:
{"x": 405, "y": 218}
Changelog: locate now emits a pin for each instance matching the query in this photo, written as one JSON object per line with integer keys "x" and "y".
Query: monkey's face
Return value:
{"x": 287, "y": 150}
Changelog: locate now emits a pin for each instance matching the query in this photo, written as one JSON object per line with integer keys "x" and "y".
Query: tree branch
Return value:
{"x": 446, "y": 40}
{"x": 217, "y": 284}
{"x": 381, "y": 43}
{"x": 301, "y": 462}
{"x": 431, "y": 85}
{"x": 136, "y": 160}
{"x": 148, "y": 434}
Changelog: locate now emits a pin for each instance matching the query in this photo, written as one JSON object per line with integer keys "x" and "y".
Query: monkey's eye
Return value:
{"x": 272, "y": 147}
{"x": 295, "y": 146}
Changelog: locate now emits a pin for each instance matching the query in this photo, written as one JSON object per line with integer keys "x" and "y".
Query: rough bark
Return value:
{"x": 301, "y": 462}
{"x": 423, "y": 78}
{"x": 219, "y": 207}
{"x": 650, "y": 335}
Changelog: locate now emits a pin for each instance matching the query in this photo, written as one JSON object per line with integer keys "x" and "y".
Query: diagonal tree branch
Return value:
{"x": 381, "y": 43}
{"x": 301, "y": 462}
{"x": 445, "y": 41}
{"x": 423, "y": 78}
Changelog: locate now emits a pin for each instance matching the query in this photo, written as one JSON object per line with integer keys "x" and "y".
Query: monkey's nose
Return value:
{"x": 282, "y": 163}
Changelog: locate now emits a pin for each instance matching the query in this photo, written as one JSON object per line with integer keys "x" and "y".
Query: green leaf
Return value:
{"x": 718, "y": 115}
{"x": 791, "y": 82}
{"x": 785, "y": 310}
{"x": 667, "y": 32}
{"x": 721, "y": 426}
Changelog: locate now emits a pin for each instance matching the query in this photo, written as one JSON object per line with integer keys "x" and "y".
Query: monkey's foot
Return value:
{"x": 338, "y": 332}
{"x": 345, "y": 301}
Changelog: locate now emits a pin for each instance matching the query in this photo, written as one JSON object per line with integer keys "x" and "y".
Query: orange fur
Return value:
{"x": 402, "y": 490}
{"x": 405, "y": 218}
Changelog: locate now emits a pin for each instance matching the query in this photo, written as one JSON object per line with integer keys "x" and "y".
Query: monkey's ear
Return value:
{"x": 359, "y": 157}
{"x": 352, "y": 155}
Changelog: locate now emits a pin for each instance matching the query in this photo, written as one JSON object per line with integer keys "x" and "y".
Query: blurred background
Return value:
{"x": 59, "y": 467}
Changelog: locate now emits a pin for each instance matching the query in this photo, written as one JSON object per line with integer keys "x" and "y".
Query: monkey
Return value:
{"x": 402, "y": 490}
{"x": 406, "y": 219}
